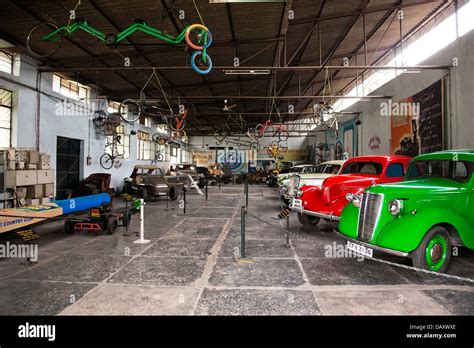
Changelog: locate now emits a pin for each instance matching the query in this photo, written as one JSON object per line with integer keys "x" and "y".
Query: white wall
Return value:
{"x": 52, "y": 125}
{"x": 460, "y": 98}
{"x": 203, "y": 142}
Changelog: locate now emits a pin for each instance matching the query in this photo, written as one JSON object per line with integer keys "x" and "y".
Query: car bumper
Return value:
{"x": 299, "y": 209}
{"x": 372, "y": 246}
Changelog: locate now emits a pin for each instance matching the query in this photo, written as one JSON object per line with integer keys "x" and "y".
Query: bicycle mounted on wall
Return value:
{"x": 45, "y": 39}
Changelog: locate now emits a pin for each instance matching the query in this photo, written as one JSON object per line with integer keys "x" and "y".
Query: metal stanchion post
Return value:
{"x": 126, "y": 212}
{"x": 184, "y": 202}
{"x": 206, "y": 190}
{"x": 142, "y": 239}
{"x": 246, "y": 188}
{"x": 288, "y": 231}
{"x": 242, "y": 232}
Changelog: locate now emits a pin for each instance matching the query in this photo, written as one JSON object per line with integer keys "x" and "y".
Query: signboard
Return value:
{"x": 235, "y": 160}
{"x": 203, "y": 158}
{"x": 420, "y": 129}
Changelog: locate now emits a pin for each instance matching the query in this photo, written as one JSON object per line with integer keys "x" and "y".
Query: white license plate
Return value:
{"x": 360, "y": 249}
{"x": 297, "y": 205}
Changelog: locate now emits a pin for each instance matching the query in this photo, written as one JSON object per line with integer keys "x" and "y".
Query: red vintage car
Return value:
{"x": 327, "y": 201}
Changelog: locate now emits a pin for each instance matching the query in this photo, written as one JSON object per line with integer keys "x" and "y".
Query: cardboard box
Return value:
{"x": 32, "y": 201}
{"x": 20, "y": 178}
{"x": 33, "y": 157}
{"x": 45, "y": 176}
{"x": 21, "y": 192}
{"x": 48, "y": 190}
{"x": 34, "y": 191}
{"x": 31, "y": 166}
{"x": 11, "y": 165}
{"x": 44, "y": 161}
{"x": 11, "y": 154}
{"x": 21, "y": 155}
{"x": 45, "y": 200}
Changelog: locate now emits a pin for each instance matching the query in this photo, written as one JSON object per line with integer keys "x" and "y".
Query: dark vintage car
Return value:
{"x": 149, "y": 180}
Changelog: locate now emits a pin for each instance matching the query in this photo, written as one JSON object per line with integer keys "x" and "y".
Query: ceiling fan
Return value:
{"x": 225, "y": 108}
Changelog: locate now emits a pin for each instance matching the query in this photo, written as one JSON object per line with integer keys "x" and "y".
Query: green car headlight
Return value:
{"x": 395, "y": 207}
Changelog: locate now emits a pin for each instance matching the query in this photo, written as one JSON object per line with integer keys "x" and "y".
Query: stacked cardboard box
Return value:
{"x": 30, "y": 170}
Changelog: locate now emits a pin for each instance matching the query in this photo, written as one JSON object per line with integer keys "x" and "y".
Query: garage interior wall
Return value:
{"x": 460, "y": 103}
{"x": 52, "y": 125}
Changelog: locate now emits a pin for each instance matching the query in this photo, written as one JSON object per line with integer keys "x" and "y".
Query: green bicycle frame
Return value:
{"x": 137, "y": 26}
{"x": 70, "y": 29}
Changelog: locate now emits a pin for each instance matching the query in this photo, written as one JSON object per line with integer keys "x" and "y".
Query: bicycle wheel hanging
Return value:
{"x": 99, "y": 118}
{"x": 106, "y": 161}
{"x": 130, "y": 110}
{"x": 221, "y": 134}
{"x": 254, "y": 146}
{"x": 198, "y": 37}
{"x": 177, "y": 123}
{"x": 159, "y": 157}
{"x": 259, "y": 131}
{"x": 283, "y": 135}
{"x": 117, "y": 163}
{"x": 201, "y": 62}
{"x": 44, "y": 40}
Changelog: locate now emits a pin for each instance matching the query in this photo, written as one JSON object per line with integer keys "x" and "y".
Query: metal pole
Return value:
{"x": 242, "y": 232}
{"x": 184, "y": 201}
{"x": 142, "y": 239}
{"x": 206, "y": 190}
{"x": 246, "y": 190}
{"x": 287, "y": 231}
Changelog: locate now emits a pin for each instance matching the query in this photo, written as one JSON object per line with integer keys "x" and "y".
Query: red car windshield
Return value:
{"x": 372, "y": 168}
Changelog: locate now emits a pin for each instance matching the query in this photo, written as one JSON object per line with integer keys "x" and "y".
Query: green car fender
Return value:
{"x": 348, "y": 221}
{"x": 405, "y": 232}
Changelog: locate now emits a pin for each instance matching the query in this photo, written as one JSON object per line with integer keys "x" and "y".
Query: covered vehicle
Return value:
{"x": 149, "y": 180}
{"x": 328, "y": 200}
{"x": 185, "y": 169}
{"x": 422, "y": 217}
{"x": 289, "y": 187}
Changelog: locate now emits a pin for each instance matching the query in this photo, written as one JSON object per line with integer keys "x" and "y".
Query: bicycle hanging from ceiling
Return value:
{"x": 45, "y": 39}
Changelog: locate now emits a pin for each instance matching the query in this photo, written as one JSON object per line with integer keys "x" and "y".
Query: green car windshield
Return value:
{"x": 443, "y": 169}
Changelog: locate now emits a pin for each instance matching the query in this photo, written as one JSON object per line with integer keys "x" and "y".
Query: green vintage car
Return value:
{"x": 422, "y": 217}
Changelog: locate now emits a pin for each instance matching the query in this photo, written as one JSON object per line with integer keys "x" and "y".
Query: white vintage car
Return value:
{"x": 298, "y": 169}
{"x": 293, "y": 182}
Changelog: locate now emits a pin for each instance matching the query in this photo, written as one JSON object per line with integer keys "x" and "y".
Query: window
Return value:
{"x": 113, "y": 107}
{"x": 363, "y": 168}
{"x": 145, "y": 147}
{"x": 123, "y": 148}
{"x": 71, "y": 89}
{"x": 6, "y": 62}
{"x": 395, "y": 170}
{"x": 444, "y": 169}
{"x": 429, "y": 39}
{"x": 5, "y": 117}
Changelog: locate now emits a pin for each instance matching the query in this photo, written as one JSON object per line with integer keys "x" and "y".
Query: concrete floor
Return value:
{"x": 190, "y": 268}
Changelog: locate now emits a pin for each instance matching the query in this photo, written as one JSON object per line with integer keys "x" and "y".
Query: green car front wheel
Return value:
{"x": 434, "y": 252}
